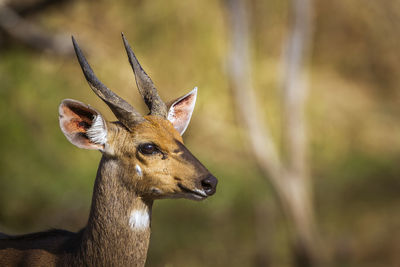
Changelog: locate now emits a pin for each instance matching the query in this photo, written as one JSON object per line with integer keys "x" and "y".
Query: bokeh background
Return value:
{"x": 353, "y": 116}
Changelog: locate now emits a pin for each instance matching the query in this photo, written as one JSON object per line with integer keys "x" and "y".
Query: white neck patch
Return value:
{"x": 139, "y": 219}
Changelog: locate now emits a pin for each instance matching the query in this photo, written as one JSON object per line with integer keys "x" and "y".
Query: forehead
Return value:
{"x": 157, "y": 129}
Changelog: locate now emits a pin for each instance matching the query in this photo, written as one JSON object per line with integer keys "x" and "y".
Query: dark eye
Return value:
{"x": 148, "y": 149}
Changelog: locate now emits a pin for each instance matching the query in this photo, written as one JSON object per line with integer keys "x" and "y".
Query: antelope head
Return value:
{"x": 149, "y": 148}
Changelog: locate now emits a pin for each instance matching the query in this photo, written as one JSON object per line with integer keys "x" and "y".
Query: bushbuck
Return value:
{"x": 143, "y": 159}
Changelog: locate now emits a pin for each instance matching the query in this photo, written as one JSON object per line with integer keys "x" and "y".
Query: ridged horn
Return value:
{"x": 145, "y": 85}
{"x": 124, "y": 112}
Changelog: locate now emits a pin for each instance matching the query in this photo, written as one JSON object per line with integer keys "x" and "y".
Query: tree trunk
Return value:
{"x": 289, "y": 174}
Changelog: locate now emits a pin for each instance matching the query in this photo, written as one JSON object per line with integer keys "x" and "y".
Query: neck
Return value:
{"x": 118, "y": 230}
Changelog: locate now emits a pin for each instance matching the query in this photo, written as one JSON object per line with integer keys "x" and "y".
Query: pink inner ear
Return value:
{"x": 181, "y": 111}
{"x": 75, "y": 119}
{"x": 72, "y": 122}
{"x": 183, "y": 108}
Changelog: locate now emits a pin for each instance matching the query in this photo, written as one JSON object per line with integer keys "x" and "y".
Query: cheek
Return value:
{"x": 163, "y": 180}
{"x": 166, "y": 187}
{"x": 156, "y": 166}
{"x": 182, "y": 171}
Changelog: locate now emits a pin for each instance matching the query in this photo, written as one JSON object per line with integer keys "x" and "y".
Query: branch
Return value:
{"x": 289, "y": 178}
{"x": 33, "y": 7}
{"x": 240, "y": 75}
{"x": 30, "y": 34}
{"x": 295, "y": 88}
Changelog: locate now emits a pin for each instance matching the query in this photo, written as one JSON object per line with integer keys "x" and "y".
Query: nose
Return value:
{"x": 209, "y": 185}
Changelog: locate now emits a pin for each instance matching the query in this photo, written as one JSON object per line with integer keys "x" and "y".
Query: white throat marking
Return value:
{"x": 139, "y": 219}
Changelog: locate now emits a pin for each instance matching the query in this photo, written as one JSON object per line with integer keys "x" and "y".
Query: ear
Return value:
{"x": 82, "y": 125}
{"x": 181, "y": 110}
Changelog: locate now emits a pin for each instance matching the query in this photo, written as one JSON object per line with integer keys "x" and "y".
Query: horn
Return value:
{"x": 145, "y": 84}
{"x": 124, "y": 112}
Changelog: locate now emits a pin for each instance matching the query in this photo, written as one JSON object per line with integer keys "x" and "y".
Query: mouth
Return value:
{"x": 196, "y": 194}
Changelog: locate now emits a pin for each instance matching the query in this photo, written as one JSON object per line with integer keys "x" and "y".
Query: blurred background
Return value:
{"x": 351, "y": 111}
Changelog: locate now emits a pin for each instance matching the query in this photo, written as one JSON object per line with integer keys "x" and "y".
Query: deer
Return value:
{"x": 143, "y": 159}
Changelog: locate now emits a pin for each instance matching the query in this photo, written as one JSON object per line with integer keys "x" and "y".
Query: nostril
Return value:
{"x": 206, "y": 184}
{"x": 209, "y": 184}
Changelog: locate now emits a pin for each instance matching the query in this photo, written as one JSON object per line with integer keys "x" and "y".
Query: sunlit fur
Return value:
{"x": 143, "y": 159}
{"x": 118, "y": 229}
{"x": 163, "y": 174}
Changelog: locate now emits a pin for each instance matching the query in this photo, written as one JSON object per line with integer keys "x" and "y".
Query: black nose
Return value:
{"x": 209, "y": 185}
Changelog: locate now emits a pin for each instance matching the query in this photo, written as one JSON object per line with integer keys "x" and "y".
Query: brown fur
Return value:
{"x": 108, "y": 239}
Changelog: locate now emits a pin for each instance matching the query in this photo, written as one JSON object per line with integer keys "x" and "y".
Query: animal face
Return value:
{"x": 149, "y": 148}
{"x": 159, "y": 164}
{"x": 151, "y": 151}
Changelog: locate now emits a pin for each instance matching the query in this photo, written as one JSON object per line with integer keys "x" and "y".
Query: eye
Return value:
{"x": 148, "y": 149}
